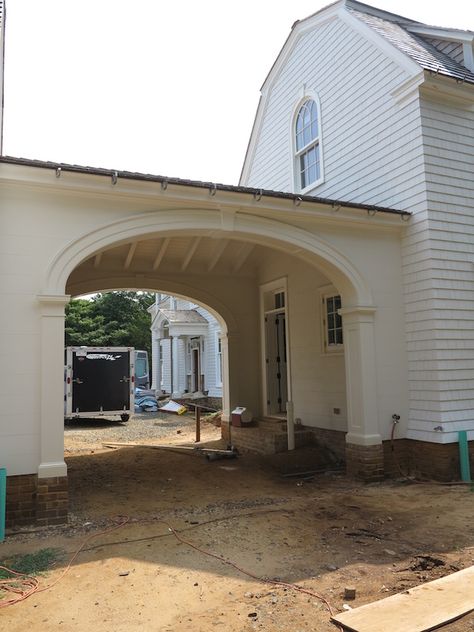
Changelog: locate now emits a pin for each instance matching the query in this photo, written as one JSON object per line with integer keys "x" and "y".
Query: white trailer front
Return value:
{"x": 99, "y": 382}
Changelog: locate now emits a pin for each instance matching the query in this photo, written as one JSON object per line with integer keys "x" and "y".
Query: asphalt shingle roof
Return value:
{"x": 396, "y": 29}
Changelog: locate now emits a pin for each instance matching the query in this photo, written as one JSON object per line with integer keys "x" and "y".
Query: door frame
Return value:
{"x": 195, "y": 343}
{"x": 278, "y": 285}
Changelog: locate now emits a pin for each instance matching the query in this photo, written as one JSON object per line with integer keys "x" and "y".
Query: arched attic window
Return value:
{"x": 307, "y": 146}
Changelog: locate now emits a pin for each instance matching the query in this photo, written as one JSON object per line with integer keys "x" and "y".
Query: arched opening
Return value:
{"x": 249, "y": 273}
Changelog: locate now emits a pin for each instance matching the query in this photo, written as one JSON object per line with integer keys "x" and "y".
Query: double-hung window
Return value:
{"x": 332, "y": 323}
{"x": 307, "y": 145}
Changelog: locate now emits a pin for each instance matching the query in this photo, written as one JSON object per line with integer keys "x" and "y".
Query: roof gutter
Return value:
{"x": 212, "y": 187}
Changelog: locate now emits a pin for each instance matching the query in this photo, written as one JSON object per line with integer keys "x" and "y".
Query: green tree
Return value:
{"x": 111, "y": 319}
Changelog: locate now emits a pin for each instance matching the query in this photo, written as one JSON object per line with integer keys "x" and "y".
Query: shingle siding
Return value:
{"x": 442, "y": 365}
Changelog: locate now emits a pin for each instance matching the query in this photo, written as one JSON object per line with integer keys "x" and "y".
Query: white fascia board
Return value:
{"x": 188, "y": 329}
{"x": 450, "y": 35}
{"x": 298, "y": 30}
{"x": 446, "y": 90}
{"x": 391, "y": 51}
{"x": 337, "y": 10}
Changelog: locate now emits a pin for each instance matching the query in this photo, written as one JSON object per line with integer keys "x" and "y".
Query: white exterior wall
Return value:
{"x": 318, "y": 378}
{"x": 384, "y": 147}
{"x": 441, "y": 292}
{"x": 371, "y": 145}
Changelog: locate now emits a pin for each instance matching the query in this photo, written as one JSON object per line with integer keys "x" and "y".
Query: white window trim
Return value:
{"x": 295, "y": 154}
{"x": 326, "y": 292}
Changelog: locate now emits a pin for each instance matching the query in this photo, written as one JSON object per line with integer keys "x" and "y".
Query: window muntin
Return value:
{"x": 334, "y": 320}
{"x": 308, "y": 160}
{"x": 279, "y": 297}
{"x": 332, "y": 323}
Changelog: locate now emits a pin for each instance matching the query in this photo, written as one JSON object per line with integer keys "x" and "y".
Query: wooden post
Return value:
{"x": 198, "y": 423}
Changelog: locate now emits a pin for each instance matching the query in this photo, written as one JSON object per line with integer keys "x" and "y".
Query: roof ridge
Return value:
{"x": 375, "y": 11}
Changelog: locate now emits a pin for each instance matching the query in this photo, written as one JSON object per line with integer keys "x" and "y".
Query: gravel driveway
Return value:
{"x": 84, "y": 434}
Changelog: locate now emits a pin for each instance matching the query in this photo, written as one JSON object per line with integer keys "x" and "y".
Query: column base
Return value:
{"x": 365, "y": 462}
{"x": 49, "y": 470}
{"x": 33, "y": 500}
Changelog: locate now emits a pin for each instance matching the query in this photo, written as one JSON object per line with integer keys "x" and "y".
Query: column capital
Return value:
{"x": 359, "y": 310}
{"x": 53, "y": 304}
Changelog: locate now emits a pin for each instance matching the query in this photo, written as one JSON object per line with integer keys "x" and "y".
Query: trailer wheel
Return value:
{"x": 125, "y": 417}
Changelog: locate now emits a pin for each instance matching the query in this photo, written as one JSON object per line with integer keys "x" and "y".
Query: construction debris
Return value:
{"x": 415, "y": 610}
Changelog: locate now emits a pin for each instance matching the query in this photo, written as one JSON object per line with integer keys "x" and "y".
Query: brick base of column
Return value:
{"x": 33, "y": 500}
{"x": 365, "y": 462}
{"x": 225, "y": 431}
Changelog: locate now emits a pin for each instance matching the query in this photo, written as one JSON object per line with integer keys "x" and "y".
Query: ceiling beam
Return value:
{"x": 161, "y": 253}
{"x": 242, "y": 256}
{"x": 131, "y": 252}
{"x": 216, "y": 255}
{"x": 97, "y": 259}
{"x": 190, "y": 253}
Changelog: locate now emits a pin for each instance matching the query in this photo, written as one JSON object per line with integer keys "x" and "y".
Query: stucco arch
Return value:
{"x": 267, "y": 232}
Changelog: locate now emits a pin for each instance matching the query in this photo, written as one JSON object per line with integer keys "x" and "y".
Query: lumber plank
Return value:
{"x": 418, "y": 609}
{"x": 158, "y": 446}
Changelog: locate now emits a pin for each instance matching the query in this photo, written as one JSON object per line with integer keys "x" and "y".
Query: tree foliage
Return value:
{"x": 112, "y": 319}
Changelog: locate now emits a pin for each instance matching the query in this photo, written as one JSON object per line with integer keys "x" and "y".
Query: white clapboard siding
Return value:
{"x": 371, "y": 145}
{"x": 441, "y": 334}
{"x": 412, "y": 155}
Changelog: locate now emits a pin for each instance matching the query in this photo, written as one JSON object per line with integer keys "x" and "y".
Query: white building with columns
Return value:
{"x": 186, "y": 348}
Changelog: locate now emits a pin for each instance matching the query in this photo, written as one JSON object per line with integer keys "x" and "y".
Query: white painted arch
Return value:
{"x": 266, "y": 232}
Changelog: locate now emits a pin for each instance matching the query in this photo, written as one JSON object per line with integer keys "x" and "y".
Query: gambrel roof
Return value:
{"x": 439, "y": 50}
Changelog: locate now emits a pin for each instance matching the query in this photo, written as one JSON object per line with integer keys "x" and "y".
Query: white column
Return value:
{"x": 155, "y": 362}
{"x": 52, "y": 386}
{"x": 225, "y": 377}
{"x": 361, "y": 376}
{"x": 176, "y": 382}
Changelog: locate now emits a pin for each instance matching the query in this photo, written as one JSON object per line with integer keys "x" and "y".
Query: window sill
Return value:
{"x": 307, "y": 190}
{"x": 333, "y": 352}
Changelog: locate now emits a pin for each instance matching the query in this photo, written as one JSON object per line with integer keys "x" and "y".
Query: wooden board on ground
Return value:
{"x": 176, "y": 447}
{"x": 416, "y": 610}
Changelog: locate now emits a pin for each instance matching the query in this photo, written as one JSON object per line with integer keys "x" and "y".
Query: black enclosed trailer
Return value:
{"x": 99, "y": 382}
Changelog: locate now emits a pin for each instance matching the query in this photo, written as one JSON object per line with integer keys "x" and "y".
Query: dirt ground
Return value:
{"x": 324, "y": 533}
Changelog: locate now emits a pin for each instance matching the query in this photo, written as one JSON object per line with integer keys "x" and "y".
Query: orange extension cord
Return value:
{"x": 22, "y": 586}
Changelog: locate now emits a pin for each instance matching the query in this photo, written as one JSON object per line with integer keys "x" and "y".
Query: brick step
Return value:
{"x": 261, "y": 441}
{"x": 271, "y": 424}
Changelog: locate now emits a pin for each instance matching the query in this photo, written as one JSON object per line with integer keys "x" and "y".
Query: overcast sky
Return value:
{"x": 163, "y": 87}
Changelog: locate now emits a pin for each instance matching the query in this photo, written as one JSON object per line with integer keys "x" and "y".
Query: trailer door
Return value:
{"x": 101, "y": 381}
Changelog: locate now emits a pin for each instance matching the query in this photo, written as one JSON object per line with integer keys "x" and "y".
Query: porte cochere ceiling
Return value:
{"x": 175, "y": 255}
